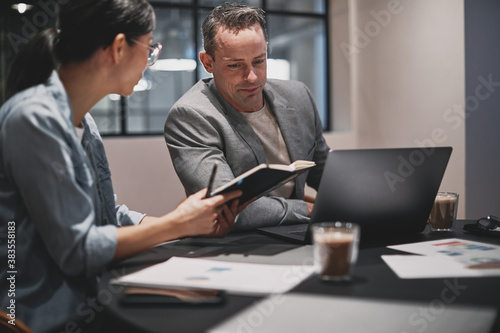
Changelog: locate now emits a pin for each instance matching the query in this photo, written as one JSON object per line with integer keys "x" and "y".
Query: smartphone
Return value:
{"x": 141, "y": 295}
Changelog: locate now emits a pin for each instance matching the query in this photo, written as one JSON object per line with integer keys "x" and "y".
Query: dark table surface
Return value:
{"x": 372, "y": 279}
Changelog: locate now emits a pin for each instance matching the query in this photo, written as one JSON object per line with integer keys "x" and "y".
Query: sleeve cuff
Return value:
{"x": 102, "y": 250}
{"x": 296, "y": 212}
{"x": 125, "y": 217}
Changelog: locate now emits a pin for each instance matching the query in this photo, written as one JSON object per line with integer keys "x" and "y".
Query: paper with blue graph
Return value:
{"x": 444, "y": 258}
{"x": 234, "y": 277}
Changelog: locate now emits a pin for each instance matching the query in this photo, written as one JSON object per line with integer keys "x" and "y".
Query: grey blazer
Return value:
{"x": 202, "y": 128}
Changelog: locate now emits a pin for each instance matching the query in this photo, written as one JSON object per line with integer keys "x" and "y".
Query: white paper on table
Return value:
{"x": 293, "y": 312}
{"x": 424, "y": 267}
{"x": 451, "y": 257}
{"x": 459, "y": 250}
{"x": 243, "y": 278}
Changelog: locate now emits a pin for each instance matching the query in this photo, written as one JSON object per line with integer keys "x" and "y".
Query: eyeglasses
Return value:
{"x": 154, "y": 51}
{"x": 490, "y": 223}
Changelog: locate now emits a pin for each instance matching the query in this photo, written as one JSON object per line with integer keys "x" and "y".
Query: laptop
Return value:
{"x": 386, "y": 191}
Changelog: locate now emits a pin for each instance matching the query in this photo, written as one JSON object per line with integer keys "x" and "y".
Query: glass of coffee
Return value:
{"x": 335, "y": 249}
{"x": 444, "y": 211}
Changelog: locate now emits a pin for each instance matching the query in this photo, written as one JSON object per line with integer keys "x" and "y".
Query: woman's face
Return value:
{"x": 135, "y": 63}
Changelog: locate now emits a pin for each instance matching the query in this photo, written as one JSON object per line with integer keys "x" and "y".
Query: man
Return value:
{"x": 239, "y": 119}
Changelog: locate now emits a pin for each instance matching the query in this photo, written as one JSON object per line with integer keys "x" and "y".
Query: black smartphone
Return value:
{"x": 141, "y": 295}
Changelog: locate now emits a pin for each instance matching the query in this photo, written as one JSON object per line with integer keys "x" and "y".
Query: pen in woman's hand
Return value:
{"x": 211, "y": 181}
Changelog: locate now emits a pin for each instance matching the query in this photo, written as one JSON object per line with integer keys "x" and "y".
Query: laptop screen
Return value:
{"x": 383, "y": 190}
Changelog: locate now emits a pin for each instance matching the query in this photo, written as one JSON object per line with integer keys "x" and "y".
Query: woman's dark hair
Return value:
{"x": 233, "y": 16}
{"x": 33, "y": 64}
{"x": 83, "y": 27}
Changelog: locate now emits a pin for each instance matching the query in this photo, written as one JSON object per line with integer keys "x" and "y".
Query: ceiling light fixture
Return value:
{"x": 21, "y": 7}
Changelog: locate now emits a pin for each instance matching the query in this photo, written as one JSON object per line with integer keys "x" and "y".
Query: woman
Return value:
{"x": 56, "y": 195}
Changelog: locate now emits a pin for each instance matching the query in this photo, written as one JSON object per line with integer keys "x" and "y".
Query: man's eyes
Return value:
{"x": 256, "y": 62}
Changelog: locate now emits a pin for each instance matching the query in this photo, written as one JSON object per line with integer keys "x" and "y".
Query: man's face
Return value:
{"x": 239, "y": 68}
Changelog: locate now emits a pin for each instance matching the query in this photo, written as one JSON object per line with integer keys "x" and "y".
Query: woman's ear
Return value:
{"x": 118, "y": 47}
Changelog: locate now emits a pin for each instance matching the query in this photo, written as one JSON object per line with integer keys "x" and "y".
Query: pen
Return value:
{"x": 211, "y": 181}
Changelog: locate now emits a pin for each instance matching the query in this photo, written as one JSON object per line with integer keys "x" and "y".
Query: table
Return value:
{"x": 372, "y": 279}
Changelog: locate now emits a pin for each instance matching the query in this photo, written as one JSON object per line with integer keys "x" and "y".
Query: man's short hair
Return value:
{"x": 233, "y": 16}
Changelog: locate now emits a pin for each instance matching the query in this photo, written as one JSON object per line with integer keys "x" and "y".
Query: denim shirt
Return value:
{"x": 56, "y": 191}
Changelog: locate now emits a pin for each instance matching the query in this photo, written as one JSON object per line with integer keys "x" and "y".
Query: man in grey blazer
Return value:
{"x": 239, "y": 119}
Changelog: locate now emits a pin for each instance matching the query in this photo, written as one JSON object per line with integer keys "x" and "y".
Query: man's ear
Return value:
{"x": 207, "y": 61}
{"x": 117, "y": 48}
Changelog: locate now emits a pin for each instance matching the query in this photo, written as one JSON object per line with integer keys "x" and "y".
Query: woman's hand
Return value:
{"x": 225, "y": 220}
{"x": 194, "y": 216}
{"x": 208, "y": 216}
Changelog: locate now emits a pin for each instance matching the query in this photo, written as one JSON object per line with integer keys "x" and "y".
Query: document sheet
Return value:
{"x": 239, "y": 278}
{"x": 451, "y": 257}
{"x": 319, "y": 313}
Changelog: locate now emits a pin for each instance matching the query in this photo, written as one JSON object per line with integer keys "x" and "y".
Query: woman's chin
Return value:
{"x": 126, "y": 93}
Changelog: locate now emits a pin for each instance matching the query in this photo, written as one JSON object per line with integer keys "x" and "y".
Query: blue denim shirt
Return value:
{"x": 56, "y": 191}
